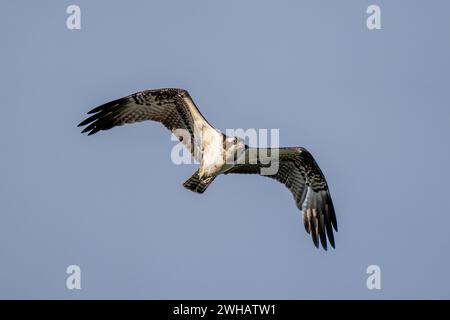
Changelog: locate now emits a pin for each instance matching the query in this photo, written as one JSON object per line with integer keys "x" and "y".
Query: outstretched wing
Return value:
{"x": 174, "y": 108}
{"x": 299, "y": 172}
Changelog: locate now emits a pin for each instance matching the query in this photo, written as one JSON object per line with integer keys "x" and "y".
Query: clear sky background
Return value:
{"x": 373, "y": 107}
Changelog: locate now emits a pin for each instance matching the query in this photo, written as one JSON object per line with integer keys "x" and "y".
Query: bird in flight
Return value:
{"x": 221, "y": 154}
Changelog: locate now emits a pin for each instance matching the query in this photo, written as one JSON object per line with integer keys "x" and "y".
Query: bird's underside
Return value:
{"x": 174, "y": 108}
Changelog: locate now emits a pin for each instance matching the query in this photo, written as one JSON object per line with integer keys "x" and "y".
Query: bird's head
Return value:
{"x": 235, "y": 142}
{"x": 235, "y": 147}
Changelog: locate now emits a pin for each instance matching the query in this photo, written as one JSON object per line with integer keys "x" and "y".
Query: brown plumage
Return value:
{"x": 218, "y": 154}
{"x": 299, "y": 172}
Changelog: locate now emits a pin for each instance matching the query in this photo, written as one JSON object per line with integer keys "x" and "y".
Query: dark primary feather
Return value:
{"x": 299, "y": 172}
{"x": 167, "y": 106}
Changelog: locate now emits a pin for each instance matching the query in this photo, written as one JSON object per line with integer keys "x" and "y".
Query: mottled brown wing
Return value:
{"x": 174, "y": 108}
{"x": 299, "y": 172}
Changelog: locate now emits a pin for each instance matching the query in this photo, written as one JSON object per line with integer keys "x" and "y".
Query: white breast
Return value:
{"x": 212, "y": 156}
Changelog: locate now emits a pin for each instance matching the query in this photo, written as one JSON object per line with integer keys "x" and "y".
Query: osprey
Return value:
{"x": 218, "y": 153}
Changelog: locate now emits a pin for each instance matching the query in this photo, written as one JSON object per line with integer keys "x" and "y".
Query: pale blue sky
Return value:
{"x": 372, "y": 106}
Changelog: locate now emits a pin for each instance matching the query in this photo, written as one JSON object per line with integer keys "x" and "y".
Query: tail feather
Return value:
{"x": 198, "y": 184}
